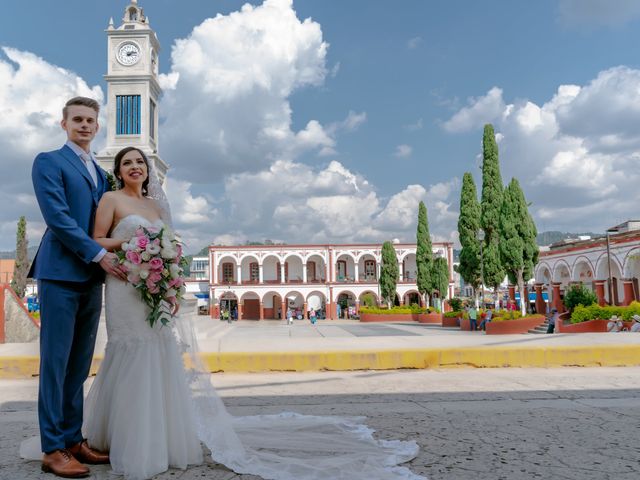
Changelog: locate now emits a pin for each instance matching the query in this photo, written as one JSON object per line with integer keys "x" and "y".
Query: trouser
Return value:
{"x": 474, "y": 323}
{"x": 550, "y": 328}
{"x": 69, "y": 316}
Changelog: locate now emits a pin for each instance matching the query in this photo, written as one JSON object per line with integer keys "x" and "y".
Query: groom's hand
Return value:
{"x": 110, "y": 264}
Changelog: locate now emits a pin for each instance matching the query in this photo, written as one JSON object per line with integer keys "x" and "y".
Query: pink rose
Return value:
{"x": 133, "y": 279}
{"x": 139, "y": 232}
{"x": 151, "y": 286}
{"x": 156, "y": 264}
{"x": 171, "y": 300}
{"x": 133, "y": 257}
{"x": 142, "y": 242}
{"x": 176, "y": 282}
{"x": 155, "y": 277}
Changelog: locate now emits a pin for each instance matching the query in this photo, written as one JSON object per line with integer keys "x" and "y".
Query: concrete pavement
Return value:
{"x": 561, "y": 423}
{"x": 249, "y": 346}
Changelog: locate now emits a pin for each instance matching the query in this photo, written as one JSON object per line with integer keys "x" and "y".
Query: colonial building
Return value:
{"x": 133, "y": 89}
{"x": 605, "y": 264}
{"x": 262, "y": 282}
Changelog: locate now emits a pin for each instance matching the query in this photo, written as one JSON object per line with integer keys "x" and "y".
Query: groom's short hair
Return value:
{"x": 84, "y": 101}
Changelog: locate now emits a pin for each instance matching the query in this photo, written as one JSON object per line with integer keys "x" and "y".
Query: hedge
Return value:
{"x": 592, "y": 312}
{"x": 395, "y": 310}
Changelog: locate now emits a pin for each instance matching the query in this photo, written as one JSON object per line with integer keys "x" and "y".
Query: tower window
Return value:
{"x": 127, "y": 114}
{"x": 152, "y": 119}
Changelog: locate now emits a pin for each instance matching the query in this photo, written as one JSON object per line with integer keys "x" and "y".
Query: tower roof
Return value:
{"x": 134, "y": 18}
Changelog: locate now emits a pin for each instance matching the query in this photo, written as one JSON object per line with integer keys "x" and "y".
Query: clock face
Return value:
{"x": 128, "y": 53}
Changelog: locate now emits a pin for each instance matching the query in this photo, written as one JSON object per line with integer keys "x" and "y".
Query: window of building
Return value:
{"x": 370, "y": 269}
{"x": 254, "y": 272}
{"x": 227, "y": 272}
{"x": 152, "y": 119}
{"x": 342, "y": 270}
{"x": 127, "y": 114}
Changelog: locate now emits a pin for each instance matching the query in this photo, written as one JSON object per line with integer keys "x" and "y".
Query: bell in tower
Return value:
{"x": 134, "y": 13}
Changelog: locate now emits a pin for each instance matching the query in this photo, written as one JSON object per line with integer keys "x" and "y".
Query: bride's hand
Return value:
{"x": 176, "y": 307}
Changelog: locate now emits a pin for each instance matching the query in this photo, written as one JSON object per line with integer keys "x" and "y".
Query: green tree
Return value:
{"x": 424, "y": 253}
{"x": 389, "y": 273}
{"x": 518, "y": 248}
{"x": 440, "y": 278}
{"x": 491, "y": 203}
{"x": 579, "y": 295}
{"x": 468, "y": 227}
{"x": 21, "y": 268}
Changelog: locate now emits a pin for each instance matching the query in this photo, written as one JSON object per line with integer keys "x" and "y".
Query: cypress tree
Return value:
{"x": 518, "y": 251}
{"x": 468, "y": 227}
{"x": 440, "y": 278}
{"x": 492, "y": 193}
{"x": 21, "y": 268}
{"x": 389, "y": 273}
{"x": 424, "y": 253}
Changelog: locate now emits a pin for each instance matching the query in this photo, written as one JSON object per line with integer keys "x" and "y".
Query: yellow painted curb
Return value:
{"x": 480, "y": 357}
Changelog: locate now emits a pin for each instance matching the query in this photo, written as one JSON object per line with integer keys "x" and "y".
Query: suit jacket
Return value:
{"x": 68, "y": 200}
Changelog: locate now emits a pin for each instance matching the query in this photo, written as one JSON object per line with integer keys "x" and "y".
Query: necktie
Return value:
{"x": 88, "y": 162}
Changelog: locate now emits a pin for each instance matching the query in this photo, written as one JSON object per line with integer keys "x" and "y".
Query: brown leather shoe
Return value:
{"x": 62, "y": 464}
{"x": 84, "y": 453}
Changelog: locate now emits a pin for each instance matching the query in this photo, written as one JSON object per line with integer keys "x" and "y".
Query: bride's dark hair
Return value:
{"x": 118, "y": 160}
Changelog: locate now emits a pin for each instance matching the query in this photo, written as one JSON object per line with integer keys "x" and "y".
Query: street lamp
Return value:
{"x": 609, "y": 232}
{"x": 481, "y": 239}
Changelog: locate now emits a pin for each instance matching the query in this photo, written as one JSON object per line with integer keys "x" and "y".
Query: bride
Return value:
{"x": 151, "y": 414}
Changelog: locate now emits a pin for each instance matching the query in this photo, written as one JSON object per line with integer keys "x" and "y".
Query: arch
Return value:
{"x": 561, "y": 272}
{"x": 602, "y": 266}
{"x": 293, "y": 254}
{"x": 226, "y": 258}
{"x": 317, "y": 301}
{"x": 244, "y": 256}
{"x": 412, "y": 296}
{"x": 543, "y": 270}
{"x": 294, "y": 268}
{"x": 250, "y": 296}
{"x": 316, "y": 268}
{"x": 376, "y": 301}
{"x": 346, "y": 254}
{"x": 631, "y": 265}
{"x": 271, "y": 254}
{"x": 345, "y": 290}
{"x": 365, "y": 253}
{"x": 602, "y": 273}
{"x": 272, "y": 305}
{"x": 406, "y": 254}
{"x": 576, "y": 270}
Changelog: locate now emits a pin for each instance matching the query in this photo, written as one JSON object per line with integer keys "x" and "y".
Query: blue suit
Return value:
{"x": 70, "y": 291}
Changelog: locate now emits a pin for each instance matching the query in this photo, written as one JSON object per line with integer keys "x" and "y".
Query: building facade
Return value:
{"x": 264, "y": 282}
{"x": 609, "y": 265}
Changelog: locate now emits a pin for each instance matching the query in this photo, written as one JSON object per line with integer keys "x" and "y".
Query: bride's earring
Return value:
{"x": 119, "y": 182}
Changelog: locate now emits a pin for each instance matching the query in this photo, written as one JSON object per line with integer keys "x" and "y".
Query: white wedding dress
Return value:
{"x": 151, "y": 414}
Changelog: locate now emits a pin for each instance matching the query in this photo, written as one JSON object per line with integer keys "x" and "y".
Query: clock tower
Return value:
{"x": 132, "y": 89}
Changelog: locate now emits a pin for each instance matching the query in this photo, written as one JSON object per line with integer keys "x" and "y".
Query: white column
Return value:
{"x": 356, "y": 271}
{"x": 378, "y": 270}
{"x": 282, "y": 279}
{"x": 401, "y": 270}
{"x": 239, "y": 277}
{"x": 214, "y": 267}
{"x": 304, "y": 272}
{"x": 260, "y": 273}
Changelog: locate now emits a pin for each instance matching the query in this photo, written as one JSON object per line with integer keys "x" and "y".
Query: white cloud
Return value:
{"x": 479, "y": 111}
{"x": 577, "y": 155}
{"x": 232, "y": 78}
{"x": 403, "y": 151}
{"x": 29, "y": 123}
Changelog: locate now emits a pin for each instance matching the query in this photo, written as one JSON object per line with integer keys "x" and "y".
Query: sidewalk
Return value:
{"x": 250, "y": 346}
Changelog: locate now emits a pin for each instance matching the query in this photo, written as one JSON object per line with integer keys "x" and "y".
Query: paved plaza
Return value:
{"x": 560, "y": 423}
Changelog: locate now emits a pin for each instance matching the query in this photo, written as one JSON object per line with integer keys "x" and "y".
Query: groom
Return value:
{"x": 69, "y": 267}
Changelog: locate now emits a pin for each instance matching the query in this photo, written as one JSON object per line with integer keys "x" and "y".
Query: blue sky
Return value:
{"x": 391, "y": 112}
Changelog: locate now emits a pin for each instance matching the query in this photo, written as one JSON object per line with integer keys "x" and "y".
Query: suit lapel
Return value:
{"x": 74, "y": 160}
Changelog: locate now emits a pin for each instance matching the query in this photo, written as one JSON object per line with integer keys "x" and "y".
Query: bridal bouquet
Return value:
{"x": 154, "y": 265}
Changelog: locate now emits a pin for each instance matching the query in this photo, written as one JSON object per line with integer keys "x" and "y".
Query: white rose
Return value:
{"x": 170, "y": 293}
{"x": 144, "y": 273}
{"x": 153, "y": 249}
{"x": 125, "y": 246}
{"x": 183, "y": 290}
{"x": 168, "y": 253}
{"x": 175, "y": 270}
{"x": 146, "y": 256}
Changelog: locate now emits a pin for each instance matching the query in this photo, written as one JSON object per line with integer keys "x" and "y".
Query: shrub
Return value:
{"x": 453, "y": 314}
{"x": 368, "y": 300}
{"x": 456, "y": 304}
{"x": 592, "y": 312}
{"x": 507, "y": 315}
{"x": 395, "y": 310}
{"x": 579, "y": 295}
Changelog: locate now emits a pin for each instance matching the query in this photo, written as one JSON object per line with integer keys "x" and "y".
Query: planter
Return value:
{"x": 590, "y": 326}
{"x": 518, "y": 325}
{"x": 430, "y": 318}
{"x": 397, "y": 317}
{"x": 451, "y": 322}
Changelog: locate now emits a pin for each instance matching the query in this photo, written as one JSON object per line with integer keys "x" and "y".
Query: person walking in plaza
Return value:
{"x": 312, "y": 316}
{"x": 70, "y": 267}
{"x": 553, "y": 318}
{"x": 487, "y": 319}
{"x": 473, "y": 318}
